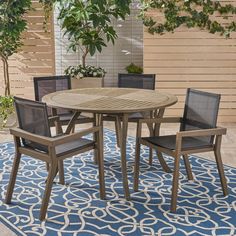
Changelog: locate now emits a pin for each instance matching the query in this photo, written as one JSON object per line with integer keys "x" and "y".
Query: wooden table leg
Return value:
{"x": 161, "y": 159}
{"x": 57, "y": 126}
{"x": 123, "y": 155}
{"x": 72, "y": 122}
{"x": 118, "y": 130}
{"x": 98, "y": 121}
{"x": 151, "y": 132}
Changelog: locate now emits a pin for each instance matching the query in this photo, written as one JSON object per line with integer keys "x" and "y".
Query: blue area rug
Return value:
{"x": 75, "y": 209}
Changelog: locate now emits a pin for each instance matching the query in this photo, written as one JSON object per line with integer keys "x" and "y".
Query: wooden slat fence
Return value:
{"x": 196, "y": 59}
{"x": 36, "y": 57}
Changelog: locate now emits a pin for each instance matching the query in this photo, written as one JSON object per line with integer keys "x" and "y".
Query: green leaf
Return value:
{"x": 88, "y": 23}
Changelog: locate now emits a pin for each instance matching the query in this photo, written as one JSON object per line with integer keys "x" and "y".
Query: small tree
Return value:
{"x": 88, "y": 23}
{"x": 12, "y": 24}
{"x": 191, "y": 13}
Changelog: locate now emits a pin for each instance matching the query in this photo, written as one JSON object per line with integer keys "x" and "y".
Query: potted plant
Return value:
{"x": 7, "y": 118}
{"x": 88, "y": 25}
{"x": 12, "y": 24}
{"x": 94, "y": 76}
{"x": 134, "y": 69}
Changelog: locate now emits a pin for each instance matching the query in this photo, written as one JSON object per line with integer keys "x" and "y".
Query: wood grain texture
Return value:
{"x": 110, "y": 100}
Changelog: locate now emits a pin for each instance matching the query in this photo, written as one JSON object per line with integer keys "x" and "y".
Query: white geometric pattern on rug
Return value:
{"x": 75, "y": 209}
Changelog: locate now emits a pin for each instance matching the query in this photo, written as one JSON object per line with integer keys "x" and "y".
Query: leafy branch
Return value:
{"x": 191, "y": 13}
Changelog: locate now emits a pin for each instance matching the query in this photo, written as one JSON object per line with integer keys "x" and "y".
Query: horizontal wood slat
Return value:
{"x": 197, "y": 59}
{"x": 36, "y": 57}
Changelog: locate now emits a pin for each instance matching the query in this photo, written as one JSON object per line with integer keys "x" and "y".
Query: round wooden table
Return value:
{"x": 116, "y": 101}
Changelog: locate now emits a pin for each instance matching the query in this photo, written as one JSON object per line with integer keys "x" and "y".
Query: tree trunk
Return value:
{"x": 84, "y": 57}
{"x": 6, "y": 76}
{"x": 4, "y": 72}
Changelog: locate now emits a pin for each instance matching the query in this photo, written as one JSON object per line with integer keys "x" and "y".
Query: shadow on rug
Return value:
{"x": 75, "y": 209}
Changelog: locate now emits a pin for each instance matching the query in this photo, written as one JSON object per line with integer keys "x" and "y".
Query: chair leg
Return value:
{"x": 136, "y": 166}
{"x": 101, "y": 165}
{"x": 61, "y": 172}
{"x": 163, "y": 163}
{"x": 47, "y": 166}
{"x": 150, "y": 156}
{"x": 151, "y": 131}
{"x": 221, "y": 173}
{"x": 188, "y": 167}
{"x": 118, "y": 130}
{"x": 73, "y": 129}
{"x": 175, "y": 184}
{"x": 220, "y": 165}
{"x": 12, "y": 181}
{"x": 48, "y": 189}
{"x": 96, "y": 121}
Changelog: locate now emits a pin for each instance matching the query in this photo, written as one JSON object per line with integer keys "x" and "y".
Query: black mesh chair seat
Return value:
{"x": 169, "y": 142}
{"x": 66, "y": 148}
{"x": 70, "y": 147}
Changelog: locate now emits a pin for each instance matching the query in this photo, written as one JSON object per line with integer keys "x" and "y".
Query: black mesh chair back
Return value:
{"x": 200, "y": 112}
{"x": 32, "y": 117}
{"x": 140, "y": 81}
{"x": 50, "y": 84}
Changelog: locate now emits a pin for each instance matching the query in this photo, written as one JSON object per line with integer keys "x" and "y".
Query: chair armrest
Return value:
{"x": 47, "y": 141}
{"x": 202, "y": 132}
{"x": 161, "y": 120}
{"x": 197, "y": 133}
{"x": 71, "y": 137}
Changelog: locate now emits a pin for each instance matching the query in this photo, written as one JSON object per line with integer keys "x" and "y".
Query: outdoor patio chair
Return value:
{"x": 198, "y": 133}
{"x": 33, "y": 138}
{"x": 50, "y": 84}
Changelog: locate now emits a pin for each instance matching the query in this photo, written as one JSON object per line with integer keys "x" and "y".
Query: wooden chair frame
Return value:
{"x": 178, "y": 152}
{"x": 52, "y": 159}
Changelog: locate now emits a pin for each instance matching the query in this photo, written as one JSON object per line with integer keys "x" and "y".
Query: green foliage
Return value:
{"x": 191, "y": 13}
{"x": 132, "y": 68}
{"x": 87, "y": 71}
{"x": 88, "y": 24}
{"x": 47, "y": 7}
{"x": 12, "y": 24}
{"x": 6, "y": 109}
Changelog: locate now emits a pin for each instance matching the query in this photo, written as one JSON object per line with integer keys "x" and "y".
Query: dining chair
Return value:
{"x": 198, "y": 133}
{"x": 33, "y": 138}
{"x": 49, "y": 84}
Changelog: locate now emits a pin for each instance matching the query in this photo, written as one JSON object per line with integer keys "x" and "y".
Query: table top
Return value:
{"x": 109, "y": 100}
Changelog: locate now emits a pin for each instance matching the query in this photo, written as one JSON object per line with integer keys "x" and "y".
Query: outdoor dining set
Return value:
{"x": 134, "y": 100}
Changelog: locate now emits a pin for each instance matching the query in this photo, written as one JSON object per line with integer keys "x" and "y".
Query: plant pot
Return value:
{"x": 11, "y": 121}
{"x": 87, "y": 82}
